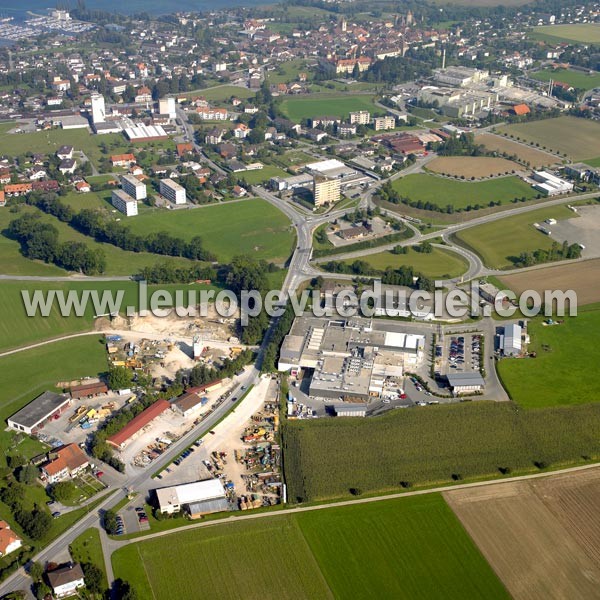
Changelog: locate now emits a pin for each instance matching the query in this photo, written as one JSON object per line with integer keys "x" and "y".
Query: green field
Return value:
{"x": 319, "y": 105}
{"x": 578, "y": 138}
{"x": 434, "y": 445}
{"x": 561, "y": 374}
{"x": 253, "y": 227}
{"x": 497, "y": 250}
{"x": 577, "y": 79}
{"x": 263, "y": 175}
{"x": 17, "y": 329}
{"x": 439, "y": 263}
{"x": 47, "y": 142}
{"x": 87, "y": 548}
{"x": 408, "y": 548}
{"x": 118, "y": 262}
{"x": 224, "y": 92}
{"x": 443, "y": 192}
{"x": 593, "y": 162}
{"x": 287, "y": 72}
{"x": 582, "y": 32}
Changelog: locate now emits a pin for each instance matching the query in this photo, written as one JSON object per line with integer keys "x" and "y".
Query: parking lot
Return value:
{"x": 132, "y": 518}
{"x": 459, "y": 353}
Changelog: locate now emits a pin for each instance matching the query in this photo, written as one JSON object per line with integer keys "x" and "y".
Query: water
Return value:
{"x": 19, "y": 8}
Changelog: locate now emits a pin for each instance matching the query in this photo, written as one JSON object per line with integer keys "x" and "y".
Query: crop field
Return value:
{"x": 472, "y": 166}
{"x": 499, "y": 250}
{"x": 407, "y": 548}
{"x": 536, "y": 158}
{"x": 249, "y": 559}
{"x": 577, "y": 138}
{"x": 584, "y": 280}
{"x": 320, "y": 105}
{"x": 118, "y": 261}
{"x": 541, "y": 537}
{"x": 253, "y": 227}
{"x": 577, "y": 79}
{"x": 434, "y": 445}
{"x": 554, "y": 378}
{"x": 438, "y": 263}
{"x": 581, "y": 32}
{"x": 459, "y": 194}
{"x": 263, "y": 175}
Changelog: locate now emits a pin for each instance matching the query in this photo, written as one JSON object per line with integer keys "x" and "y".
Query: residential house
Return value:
{"x": 214, "y": 137}
{"x": 65, "y": 152}
{"x": 122, "y": 160}
{"x": 2, "y": 199}
{"x": 66, "y": 580}
{"x": 66, "y": 462}
{"x": 67, "y": 166}
{"x": 143, "y": 94}
{"x": 83, "y": 187}
{"x": 9, "y": 540}
{"x": 241, "y": 131}
{"x": 238, "y": 191}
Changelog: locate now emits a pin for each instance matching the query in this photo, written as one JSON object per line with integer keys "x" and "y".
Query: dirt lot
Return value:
{"x": 542, "y": 537}
{"x": 473, "y": 166}
{"x": 537, "y": 158}
{"x": 583, "y": 278}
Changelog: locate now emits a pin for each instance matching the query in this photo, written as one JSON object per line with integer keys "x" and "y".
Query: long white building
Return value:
{"x": 124, "y": 203}
{"x": 134, "y": 187}
{"x": 172, "y": 191}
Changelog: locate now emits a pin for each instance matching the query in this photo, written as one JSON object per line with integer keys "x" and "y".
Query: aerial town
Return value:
{"x": 300, "y": 296}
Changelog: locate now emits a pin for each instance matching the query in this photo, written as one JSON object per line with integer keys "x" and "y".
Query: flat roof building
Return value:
{"x": 350, "y": 410}
{"x": 145, "y": 133}
{"x": 198, "y": 498}
{"x": 465, "y": 383}
{"x": 551, "y": 185}
{"x": 31, "y": 418}
{"x": 172, "y": 191}
{"x": 511, "y": 340}
{"x": 326, "y": 190}
{"x": 134, "y": 187}
{"x": 124, "y": 203}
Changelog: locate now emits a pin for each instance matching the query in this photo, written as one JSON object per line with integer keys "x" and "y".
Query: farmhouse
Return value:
{"x": 31, "y": 418}
{"x": 465, "y": 383}
{"x": 122, "y": 160}
{"x": 198, "y": 498}
{"x": 65, "y": 581}
{"x": 9, "y": 540}
{"x": 120, "y": 439}
{"x": 65, "y": 462}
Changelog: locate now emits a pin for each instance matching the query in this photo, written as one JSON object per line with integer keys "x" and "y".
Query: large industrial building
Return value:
{"x": 511, "y": 342}
{"x": 197, "y": 499}
{"x": 172, "y": 191}
{"x": 31, "y": 418}
{"x": 465, "y": 383}
{"x": 134, "y": 187}
{"x": 98, "y": 109}
{"x": 120, "y": 439}
{"x": 124, "y": 203}
{"x": 350, "y": 358}
{"x": 551, "y": 185}
{"x": 146, "y": 133}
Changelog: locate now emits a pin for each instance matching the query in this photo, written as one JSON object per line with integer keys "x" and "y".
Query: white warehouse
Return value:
{"x": 124, "y": 203}
{"x": 134, "y": 187}
{"x": 551, "y": 185}
{"x": 172, "y": 191}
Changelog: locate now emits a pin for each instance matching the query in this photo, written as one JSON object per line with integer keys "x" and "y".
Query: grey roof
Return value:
{"x": 39, "y": 409}
{"x": 470, "y": 379}
{"x": 350, "y": 408}
{"x": 64, "y": 575}
{"x": 208, "y": 506}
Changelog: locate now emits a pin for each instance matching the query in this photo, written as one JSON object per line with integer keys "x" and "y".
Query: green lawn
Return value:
{"x": 408, "y": 548}
{"x": 459, "y": 194}
{"x": 118, "y": 262}
{"x": 576, "y": 137}
{"x": 87, "y": 548}
{"x": 48, "y": 142}
{"x": 319, "y": 105}
{"x": 593, "y": 162}
{"x": 223, "y": 92}
{"x": 497, "y": 249}
{"x": 562, "y": 374}
{"x": 439, "y": 263}
{"x": 287, "y": 72}
{"x": 577, "y": 79}
{"x": 265, "y": 558}
{"x": 263, "y": 175}
{"x": 253, "y": 227}
{"x": 581, "y": 32}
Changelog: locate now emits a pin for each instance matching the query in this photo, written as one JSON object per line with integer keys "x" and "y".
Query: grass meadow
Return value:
{"x": 575, "y": 32}
{"x": 319, "y": 105}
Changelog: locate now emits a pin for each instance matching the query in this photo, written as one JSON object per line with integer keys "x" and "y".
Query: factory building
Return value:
{"x": 31, "y": 418}
{"x": 551, "y": 185}
{"x": 511, "y": 342}
{"x": 465, "y": 383}
{"x": 197, "y": 499}
{"x": 98, "y": 109}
